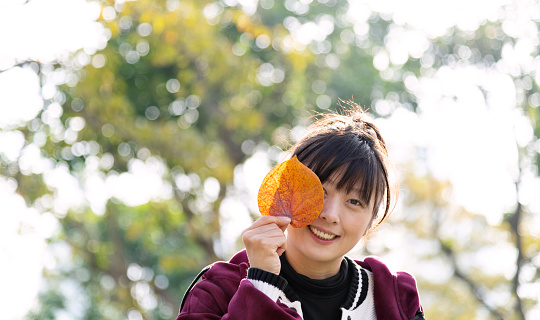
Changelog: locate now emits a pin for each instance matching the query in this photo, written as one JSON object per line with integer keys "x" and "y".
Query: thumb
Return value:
{"x": 283, "y": 222}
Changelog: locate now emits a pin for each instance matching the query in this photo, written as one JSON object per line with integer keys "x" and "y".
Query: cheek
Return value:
{"x": 360, "y": 225}
{"x": 369, "y": 224}
{"x": 295, "y": 233}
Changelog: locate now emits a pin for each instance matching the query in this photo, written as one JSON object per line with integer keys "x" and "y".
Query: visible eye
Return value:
{"x": 356, "y": 202}
{"x": 324, "y": 192}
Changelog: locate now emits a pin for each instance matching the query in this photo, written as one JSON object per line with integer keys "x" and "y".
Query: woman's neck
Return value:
{"x": 312, "y": 269}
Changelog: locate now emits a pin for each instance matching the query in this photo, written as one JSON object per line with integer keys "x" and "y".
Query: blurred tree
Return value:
{"x": 190, "y": 89}
{"x": 502, "y": 295}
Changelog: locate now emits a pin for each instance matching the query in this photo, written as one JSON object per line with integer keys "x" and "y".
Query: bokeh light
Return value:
{"x": 465, "y": 117}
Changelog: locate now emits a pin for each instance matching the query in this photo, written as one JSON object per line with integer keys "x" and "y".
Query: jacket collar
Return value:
{"x": 358, "y": 289}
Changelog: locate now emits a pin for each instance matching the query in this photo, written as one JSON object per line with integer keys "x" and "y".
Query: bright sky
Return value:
{"x": 469, "y": 140}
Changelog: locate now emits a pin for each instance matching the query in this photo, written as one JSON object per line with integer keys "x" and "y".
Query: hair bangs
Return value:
{"x": 363, "y": 176}
{"x": 350, "y": 163}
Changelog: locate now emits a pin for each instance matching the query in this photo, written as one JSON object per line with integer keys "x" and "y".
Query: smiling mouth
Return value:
{"x": 322, "y": 235}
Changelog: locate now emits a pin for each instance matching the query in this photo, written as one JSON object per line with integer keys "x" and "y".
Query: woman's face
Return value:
{"x": 316, "y": 250}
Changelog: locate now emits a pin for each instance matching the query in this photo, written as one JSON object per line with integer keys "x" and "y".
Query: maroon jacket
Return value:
{"x": 225, "y": 293}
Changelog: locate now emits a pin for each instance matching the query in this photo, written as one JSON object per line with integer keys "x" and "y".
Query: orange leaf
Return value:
{"x": 291, "y": 189}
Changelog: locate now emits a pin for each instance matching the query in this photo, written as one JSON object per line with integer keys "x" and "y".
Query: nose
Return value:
{"x": 330, "y": 210}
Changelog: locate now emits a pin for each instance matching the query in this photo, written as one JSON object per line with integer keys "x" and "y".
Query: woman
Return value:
{"x": 303, "y": 273}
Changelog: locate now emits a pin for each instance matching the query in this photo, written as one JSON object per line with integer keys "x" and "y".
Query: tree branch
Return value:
{"x": 449, "y": 252}
{"x": 204, "y": 242}
{"x": 514, "y": 221}
{"x": 458, "y": 273}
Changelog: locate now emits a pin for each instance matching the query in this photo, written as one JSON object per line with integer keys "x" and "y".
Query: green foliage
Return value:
{"x": 50, "y": 302}
{"x": 179, "y": 85}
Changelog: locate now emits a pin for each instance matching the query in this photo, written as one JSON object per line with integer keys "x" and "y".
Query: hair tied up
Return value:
{"x": 358, "y": 117}
{"x": 356, "y": 113}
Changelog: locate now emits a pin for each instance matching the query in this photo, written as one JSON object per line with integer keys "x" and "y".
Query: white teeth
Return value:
{"x": 322, "y": 235}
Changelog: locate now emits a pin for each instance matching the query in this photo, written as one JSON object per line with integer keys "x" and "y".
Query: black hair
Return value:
{"x": 350, "y": 145}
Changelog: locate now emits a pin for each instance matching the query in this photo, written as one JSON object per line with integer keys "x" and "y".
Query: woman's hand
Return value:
{"x": 265, "y": 241}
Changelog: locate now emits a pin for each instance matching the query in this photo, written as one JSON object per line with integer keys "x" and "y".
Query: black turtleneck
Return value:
{"x": 320, "y": 299}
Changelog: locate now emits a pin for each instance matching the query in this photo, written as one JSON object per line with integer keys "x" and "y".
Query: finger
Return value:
{"x": 283, "y": 222}
{"x": 279, "y": 220}
{"x": 264, "y": 232}
{"x": 281, "y": 249}
{"x": 265, "y": 220}
{"x": 284, "y": 226}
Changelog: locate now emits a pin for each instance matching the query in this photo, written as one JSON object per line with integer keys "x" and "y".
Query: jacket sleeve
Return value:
{"x": 211, "y": 300}
{"x": 407, "y": 295}
{"x": 396, "y": 294}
